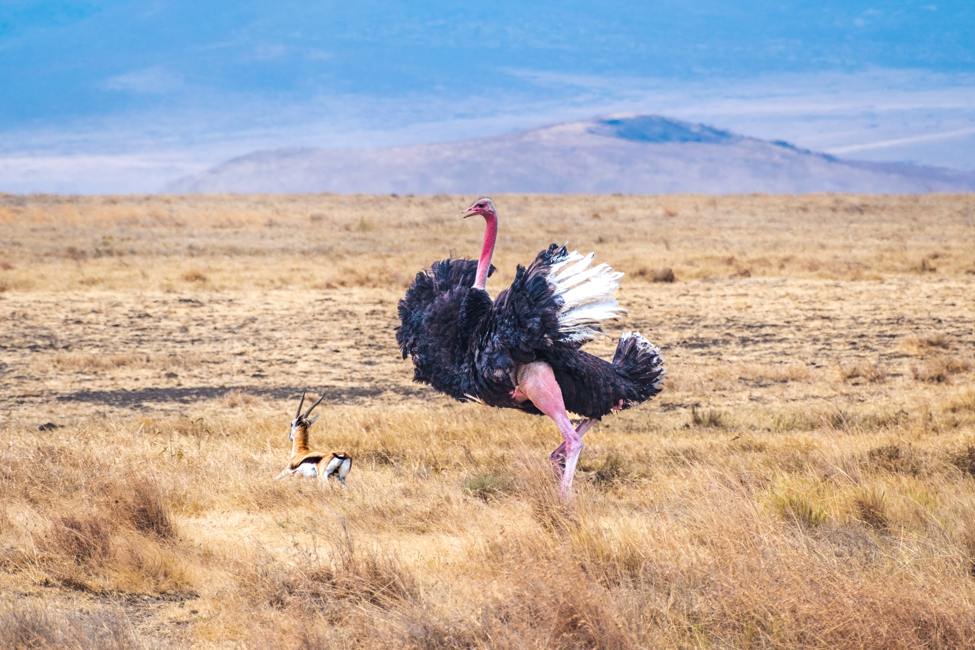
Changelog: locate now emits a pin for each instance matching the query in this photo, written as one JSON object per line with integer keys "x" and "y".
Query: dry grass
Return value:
{"x": 34, "y": 626}
{"x": 805, "y": 480}
{"x": 941, "y": 368}
{"x": 863, "y": 371}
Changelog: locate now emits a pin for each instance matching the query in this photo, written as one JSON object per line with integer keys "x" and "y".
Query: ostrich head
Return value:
{"x": 483, "y": 206}
{"x": 302, "y": 421}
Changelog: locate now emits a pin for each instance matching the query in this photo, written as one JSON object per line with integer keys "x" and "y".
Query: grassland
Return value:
{"x": 806, "y": 479}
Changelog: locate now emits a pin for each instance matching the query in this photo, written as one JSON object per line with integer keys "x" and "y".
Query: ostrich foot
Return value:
{"x": 573, "y": 447}
{"x": 557, "y": 458}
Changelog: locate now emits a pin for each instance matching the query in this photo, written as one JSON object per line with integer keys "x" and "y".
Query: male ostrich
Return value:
{"x": 522, "y": 350}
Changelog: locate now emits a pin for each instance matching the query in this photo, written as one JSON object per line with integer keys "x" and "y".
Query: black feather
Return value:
{"x": 465, "y": 345}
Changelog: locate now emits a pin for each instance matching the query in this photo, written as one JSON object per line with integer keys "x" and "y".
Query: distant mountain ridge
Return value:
{"x": 640, "y": 154}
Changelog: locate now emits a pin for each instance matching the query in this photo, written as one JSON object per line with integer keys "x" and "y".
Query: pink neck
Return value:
{"x": 483, "y": 264}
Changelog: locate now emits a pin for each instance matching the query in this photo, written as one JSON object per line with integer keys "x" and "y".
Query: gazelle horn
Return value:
{"x": 312, "y": 407}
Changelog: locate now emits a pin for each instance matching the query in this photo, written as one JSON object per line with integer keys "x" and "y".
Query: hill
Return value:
{"x": 644, "y": 154}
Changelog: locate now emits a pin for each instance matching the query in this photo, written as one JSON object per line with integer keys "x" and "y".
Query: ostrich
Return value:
{"x": 522, "y": 350}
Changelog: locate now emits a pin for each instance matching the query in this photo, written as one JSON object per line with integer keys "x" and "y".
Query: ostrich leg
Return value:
{"x": 536, "y": 382}
{"x": 558, "y": 456}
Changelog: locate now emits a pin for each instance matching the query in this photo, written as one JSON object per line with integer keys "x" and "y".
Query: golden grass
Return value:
{"x": 806, "y": 479}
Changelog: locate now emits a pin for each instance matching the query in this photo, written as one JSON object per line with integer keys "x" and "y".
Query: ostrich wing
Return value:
{"x": 437, "y": 317}
{"x": 524, "y": 319}
{"x": 559, "y": 300}
{"x": 426, "y": 297}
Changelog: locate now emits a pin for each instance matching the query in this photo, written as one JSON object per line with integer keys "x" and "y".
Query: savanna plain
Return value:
{"x": 806, "y": 479}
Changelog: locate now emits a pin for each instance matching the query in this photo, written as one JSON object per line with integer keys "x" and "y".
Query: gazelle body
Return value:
{"x": 306, "y": 462}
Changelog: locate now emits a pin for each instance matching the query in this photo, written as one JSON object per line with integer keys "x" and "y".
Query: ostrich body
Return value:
{"x": 523, "y": 349}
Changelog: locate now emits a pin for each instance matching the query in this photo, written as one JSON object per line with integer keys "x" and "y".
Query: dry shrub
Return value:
{"x": 124, "y": 541}
{"x": 489, "y": 485}
{"x": 76, "y": 254}
{"x": 778, "y": 373}
{"x": 896, "y": 459}
{"x": 708, "y": 418}
{"x": 871, "y": 509}
{"x": 612, "y": 470}
{"x": 354, "y": 577}
{"x": 238, "y": 399}
{"x": 548, "y": 596}
{"x": 855, "y": 421}
{"x": 536, "y": 485}
{"x": 777, "y": 598}
{"x": 683, "y": 456}
{"x": 868, "y": 371}
{"x": 964, "y": 460}
{"x": 556, "y": 605}
{"x": 967, "y": 541}
{"x": 794, "y": 420}
{"x": 31, "y": 625}
{"x": 923, "y": 344}
{"x": 90, "y": 362}
{"x": 382, "y": 456}
{"x": 195, "y": 276}
{"x": 962, "y": 403}
{"x": 180, "y": 425}
{"x": 423, "y": 628}
{"x": 940, "y": 341}
{"x": 800, "y": 510}
{"x": 364, "y": 224}
{"x": 544, "y": 603}
{"x": 82, "y": 539}
{"x": 840, "y": 419}
{"x": 940, "y": 368}
{"x": 140, "y": 502}
{"x": 749, "y": 445}
{"x": 663, "y": 274}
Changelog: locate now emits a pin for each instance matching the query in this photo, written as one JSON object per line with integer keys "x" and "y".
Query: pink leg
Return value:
{"x": 537, "y": 381}
{"x": 557, "y": 457}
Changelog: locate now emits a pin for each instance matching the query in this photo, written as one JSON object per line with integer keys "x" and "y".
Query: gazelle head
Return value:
{"x": 302, "y": 421}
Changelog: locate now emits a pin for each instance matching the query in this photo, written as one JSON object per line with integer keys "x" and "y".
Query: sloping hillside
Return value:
{"x": 639, "y": 154}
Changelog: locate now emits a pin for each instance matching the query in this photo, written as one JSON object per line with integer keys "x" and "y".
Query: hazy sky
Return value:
{"x": 123, "y": 96}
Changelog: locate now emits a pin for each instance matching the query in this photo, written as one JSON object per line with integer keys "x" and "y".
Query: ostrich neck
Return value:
{"x": 487, "y": 251}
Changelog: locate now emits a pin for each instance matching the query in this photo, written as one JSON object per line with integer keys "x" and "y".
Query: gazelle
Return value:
{"x": 308, "y": 463}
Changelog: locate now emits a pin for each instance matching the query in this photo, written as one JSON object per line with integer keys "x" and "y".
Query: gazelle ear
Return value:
{"x": 312, "y": 421}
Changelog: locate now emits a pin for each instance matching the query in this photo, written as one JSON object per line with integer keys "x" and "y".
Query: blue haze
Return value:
{"x": 166, "y": 86}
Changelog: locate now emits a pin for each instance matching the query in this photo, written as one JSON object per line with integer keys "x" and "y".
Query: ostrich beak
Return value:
{"x": 470, "y": 212}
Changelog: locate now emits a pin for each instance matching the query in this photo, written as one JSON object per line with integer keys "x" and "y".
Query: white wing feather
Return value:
{"x": 588, "y": 295}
